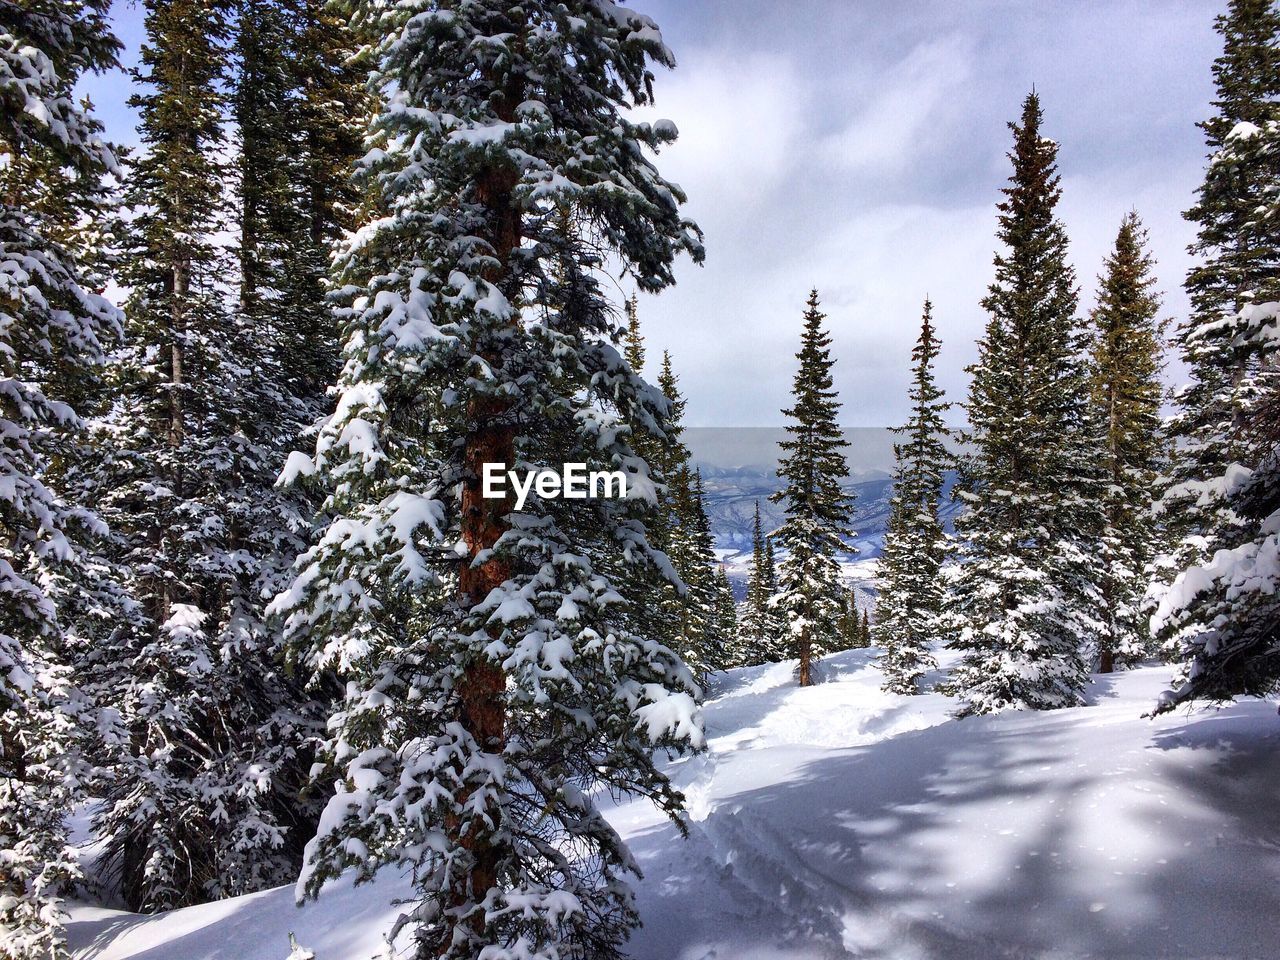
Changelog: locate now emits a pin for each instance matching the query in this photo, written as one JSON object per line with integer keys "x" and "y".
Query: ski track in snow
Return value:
{"x": 840, "y": 821}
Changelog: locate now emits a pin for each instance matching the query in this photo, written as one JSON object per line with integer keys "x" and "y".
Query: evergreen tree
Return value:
{"x": 1127, "y": 393}
{"x": 671, "y": 610}
{"x": 671, "y": 456}
{"x": 709, "y": 585}
{"x": 1028, "y": 583}
{"x": 757, "y": 622}
{"x": 761, "y": 635}
{"x": 866, "y": 627}
{"x": 634, "y": 351}
{"x": 777, "y": 645}
{"x": 494, "y": 685}
{"x": 298, "y": 152}
{"x": 700, "y": 620}
{"x": 203, "y": 799}
{"x": 1220, "y": 613}
{"x": 851, "y": 634}
{"x": 909, "y": 607}
{"x": 726, "y": 622}
{"x": 690, "y": 613}
{"x": 53, "y": 329}
{"x": 810, "y": 595}
{"x": 693, "y": 608}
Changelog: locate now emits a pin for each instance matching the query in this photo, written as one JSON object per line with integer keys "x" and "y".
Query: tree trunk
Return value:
{"x": 177, "y": 380}
{"x": 805, "y": 656}
{"x": 481, "y": 688}
{"x": 1107, "y": 655}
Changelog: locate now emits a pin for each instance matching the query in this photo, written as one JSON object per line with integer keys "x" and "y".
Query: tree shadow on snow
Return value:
{"x": 953, "y": 843}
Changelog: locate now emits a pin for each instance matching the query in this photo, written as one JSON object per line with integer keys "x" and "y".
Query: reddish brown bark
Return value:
{"x": 482, "y": 687}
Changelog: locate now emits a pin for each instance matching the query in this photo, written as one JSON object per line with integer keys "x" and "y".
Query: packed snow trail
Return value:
{"x": 839, "y": 821}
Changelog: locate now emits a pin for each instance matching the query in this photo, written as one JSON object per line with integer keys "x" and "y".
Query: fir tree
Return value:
{"x": 712, "y": 595}
{"x": 634, "y": 351}
{"x": 691, "y": 612}
{"x": 1126, "y": 394}
{"x": 494, "y": 685}
{"x": 698, "y": 619}
{"x": 909, "y": 607}
{"x": 203, "y": 799}
{"x": 810, "y": 596}
{"x": 327, "y": 111}
{"x": 757, "y": 621}
{"x": 671, "y": 455}
{"x": 1221, "y": 613}
{"x": 694, "y": 608}
{"x": 726, "y": 620}
{"x": 851, "y": 635}
{"x": 671, "y": 610}
{"x": 53, "y": 330}
{"x": 1027, "y": 582}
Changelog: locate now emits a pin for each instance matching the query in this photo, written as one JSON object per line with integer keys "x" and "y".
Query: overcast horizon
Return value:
{"x": 859, "y": 148}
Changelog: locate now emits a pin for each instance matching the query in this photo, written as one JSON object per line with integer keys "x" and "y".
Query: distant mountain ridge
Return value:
{"x": 739, "y": 469}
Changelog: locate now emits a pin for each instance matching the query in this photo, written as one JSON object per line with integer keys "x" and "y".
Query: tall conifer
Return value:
{"x": 1028, "y": 582}
{"x": 634, "y": 349}
{"x": 1127, "y": 393}
{"x": 692, "y": 615}
{"x": 495, "y": 682}
{"x": 1221, "y": 612}
{"x": 757, "y": 623}
{"x": 909, "y": 605}
{"x": 810, "y": 595}
{"x": 202, "y": 802}
{"x": 54, "y": 329}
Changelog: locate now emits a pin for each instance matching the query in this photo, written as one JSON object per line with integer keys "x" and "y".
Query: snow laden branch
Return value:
{"x": 497, "y": 672}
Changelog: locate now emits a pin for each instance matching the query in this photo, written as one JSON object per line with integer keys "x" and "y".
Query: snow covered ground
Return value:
{"x": 840, "y": 821}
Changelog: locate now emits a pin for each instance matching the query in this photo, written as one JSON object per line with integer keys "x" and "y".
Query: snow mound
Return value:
{"x": 840, "y": 821}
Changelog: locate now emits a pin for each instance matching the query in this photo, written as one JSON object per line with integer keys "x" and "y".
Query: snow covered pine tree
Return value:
{"x": 909, "y": 605}
{"x": 693, "y": 615}
{"x": 1028, "y": 582}
{"x": 1222, "y": 611}
{"x": 756, "y": 635}
{"x": 810, "y": 597}
{"x": 1126, "y": 394}
{"x": 52, "y": 329}
{"x": 203, "y": 801}
{"x": 687, "y": 614}
{"x": 492, "y": 683}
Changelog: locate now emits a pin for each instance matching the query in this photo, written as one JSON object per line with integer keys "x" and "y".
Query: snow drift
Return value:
{"x": 839, "y": 821}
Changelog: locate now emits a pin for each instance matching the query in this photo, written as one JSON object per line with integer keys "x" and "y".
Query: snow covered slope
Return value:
{"x": 840, "y": 821}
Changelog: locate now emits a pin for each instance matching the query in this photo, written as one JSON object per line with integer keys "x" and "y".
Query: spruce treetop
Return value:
{"x": 634, "y": 340}
{"x": 1127, "y": 340}
{"x": 925, "y": 451}
{"x": 813, "y": 462}
{"x": 1247, "y": 73}
{"x": 1033, "y": 283}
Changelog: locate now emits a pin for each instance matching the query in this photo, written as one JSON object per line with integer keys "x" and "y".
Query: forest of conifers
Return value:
{"x": 256, "y": 614}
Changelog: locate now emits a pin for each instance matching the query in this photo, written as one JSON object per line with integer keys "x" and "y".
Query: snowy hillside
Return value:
{"x": 838, "y": 821}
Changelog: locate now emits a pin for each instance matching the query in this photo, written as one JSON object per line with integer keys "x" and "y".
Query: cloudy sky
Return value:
{"x": 858, "y": 146}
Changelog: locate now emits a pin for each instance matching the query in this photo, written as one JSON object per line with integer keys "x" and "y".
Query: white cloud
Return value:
{"x": 903, "y": 110}
{"x": 740, "y": 129}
